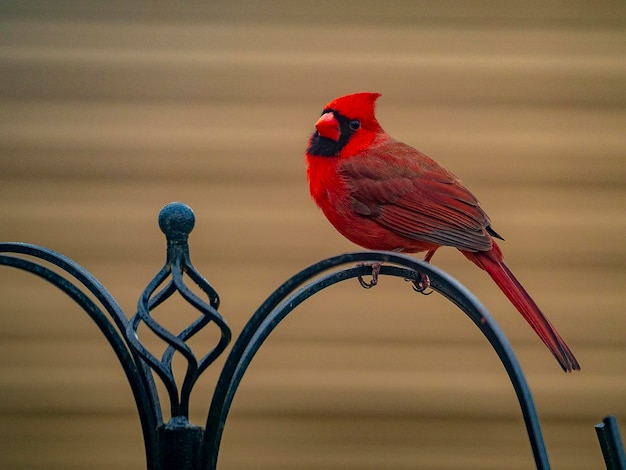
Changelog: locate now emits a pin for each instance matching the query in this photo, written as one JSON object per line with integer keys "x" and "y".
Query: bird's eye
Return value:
{"x": 354, "y": 125}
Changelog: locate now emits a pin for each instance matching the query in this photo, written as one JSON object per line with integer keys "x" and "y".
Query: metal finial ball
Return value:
{"x": 176, "y": 219}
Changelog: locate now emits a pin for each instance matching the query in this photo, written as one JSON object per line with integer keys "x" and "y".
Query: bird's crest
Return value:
{"x": 355, "y": 106}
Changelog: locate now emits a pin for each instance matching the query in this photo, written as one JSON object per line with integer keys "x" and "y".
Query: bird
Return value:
{"x": 385, "y": 195}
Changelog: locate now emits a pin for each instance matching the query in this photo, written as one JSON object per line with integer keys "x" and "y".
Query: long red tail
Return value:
{"x": 492, "y": 262}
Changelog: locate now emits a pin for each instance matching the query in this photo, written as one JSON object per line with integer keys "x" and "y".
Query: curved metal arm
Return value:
{"x": 289, "y": 295}
{"x": 141, "y": 385}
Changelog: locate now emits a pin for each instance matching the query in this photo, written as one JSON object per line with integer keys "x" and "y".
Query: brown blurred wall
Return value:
{"x": 112, "y": 109}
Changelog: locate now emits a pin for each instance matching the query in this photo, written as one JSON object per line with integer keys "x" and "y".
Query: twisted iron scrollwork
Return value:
{"x": 176, "y": 221}
{"x": 178, "y": 444}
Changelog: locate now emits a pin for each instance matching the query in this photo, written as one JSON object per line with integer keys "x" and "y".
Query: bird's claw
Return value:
{"x": 375, "y": 271}
{"x": 422, "y": 285}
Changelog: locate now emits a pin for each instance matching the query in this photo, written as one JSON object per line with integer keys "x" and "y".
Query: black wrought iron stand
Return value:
{"x": 178, "y": 444}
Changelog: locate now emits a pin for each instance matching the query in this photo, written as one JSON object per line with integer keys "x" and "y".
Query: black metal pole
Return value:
{"x": 611, "y": 443}
{"x": 180, "y": 445}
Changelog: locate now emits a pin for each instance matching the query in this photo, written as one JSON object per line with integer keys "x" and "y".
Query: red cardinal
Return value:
{"x": 385, "y": 195}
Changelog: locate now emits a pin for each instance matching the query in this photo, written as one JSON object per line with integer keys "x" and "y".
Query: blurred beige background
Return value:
{"x": 111, "y": 110}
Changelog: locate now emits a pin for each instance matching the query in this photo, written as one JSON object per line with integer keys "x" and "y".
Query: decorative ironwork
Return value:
{"x": 178, "y": 444}
{"x": 177, "y": 221}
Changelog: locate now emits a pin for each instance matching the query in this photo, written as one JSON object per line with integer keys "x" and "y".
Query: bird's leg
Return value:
{"x": 429, "y": 255}
{"x": 424, "y": 282}
{"x": 375, "y": 271}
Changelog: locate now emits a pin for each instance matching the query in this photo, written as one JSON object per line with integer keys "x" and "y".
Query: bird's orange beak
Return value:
{"x": 328, "y": 126}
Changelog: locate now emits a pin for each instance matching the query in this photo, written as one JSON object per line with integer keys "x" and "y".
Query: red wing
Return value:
{"x": 412, "y": 195}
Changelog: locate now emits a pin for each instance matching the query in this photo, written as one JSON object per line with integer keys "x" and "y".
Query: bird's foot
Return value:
{"x": 422, "y": 286}
{"x": 375, "y": 271}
